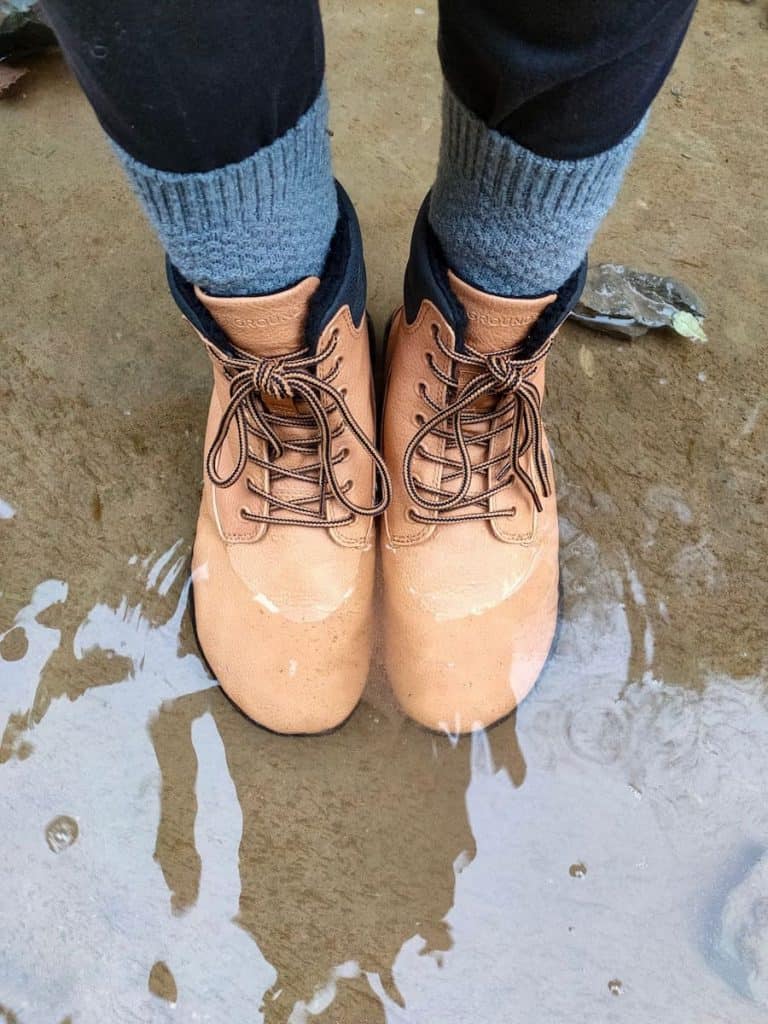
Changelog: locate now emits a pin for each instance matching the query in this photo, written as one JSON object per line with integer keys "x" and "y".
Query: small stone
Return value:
{"x": 587, "y": 361}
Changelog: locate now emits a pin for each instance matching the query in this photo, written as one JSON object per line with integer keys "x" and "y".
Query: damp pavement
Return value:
{"x": 600, "y": 856}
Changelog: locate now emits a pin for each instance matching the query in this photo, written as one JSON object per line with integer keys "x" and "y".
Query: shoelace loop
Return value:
{"x": 518, "y": 411}
{"x": 295, "y": 377}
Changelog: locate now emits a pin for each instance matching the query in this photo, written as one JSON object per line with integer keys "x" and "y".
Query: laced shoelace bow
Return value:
{"x": 518, "y": 411}
{"x": 251, "y": 379}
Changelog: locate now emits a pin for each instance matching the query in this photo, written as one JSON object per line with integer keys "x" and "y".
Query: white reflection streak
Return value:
{"x": 218, "y": 967}
{"x": 324, "y": 995}
{"x": 218, "y": 825}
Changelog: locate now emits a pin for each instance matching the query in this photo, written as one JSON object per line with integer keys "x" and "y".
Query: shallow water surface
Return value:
{"x": 603, "y": 855}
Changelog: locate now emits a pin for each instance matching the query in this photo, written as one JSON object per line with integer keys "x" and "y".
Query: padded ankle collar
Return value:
{"x": 343, "y": 283}
{"x": 426, "y": 278}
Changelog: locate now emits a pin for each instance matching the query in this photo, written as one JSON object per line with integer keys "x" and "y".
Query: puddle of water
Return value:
{"x": 599, "y": 858}
{"x": 611, "y": 838}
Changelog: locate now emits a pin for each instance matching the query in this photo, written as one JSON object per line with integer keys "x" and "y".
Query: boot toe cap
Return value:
{"x": 462, "y": 658}
{"x": 293, "y": 659}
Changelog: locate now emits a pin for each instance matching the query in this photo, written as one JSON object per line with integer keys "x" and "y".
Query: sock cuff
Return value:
{"x": 512, "y": 222}
{"x": 497, "y": 170}
{"x": 253, "y": 227}
{"x": 259, "y": 186}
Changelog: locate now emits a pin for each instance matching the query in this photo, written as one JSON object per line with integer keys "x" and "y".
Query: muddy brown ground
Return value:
{"x": 599, "y": 857}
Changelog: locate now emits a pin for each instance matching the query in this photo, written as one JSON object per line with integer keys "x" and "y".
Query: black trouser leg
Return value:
{"x": 191, "y": 85}
{"x": 564, "y": 79}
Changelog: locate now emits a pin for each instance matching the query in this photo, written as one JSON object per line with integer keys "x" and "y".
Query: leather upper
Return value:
{"x": 470, "y": 545}
{"x": 284, "y": 555}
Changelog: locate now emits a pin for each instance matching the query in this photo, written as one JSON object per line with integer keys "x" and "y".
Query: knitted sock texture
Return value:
{"x": 511, "y": 222}
{"x": 250, "y": 228}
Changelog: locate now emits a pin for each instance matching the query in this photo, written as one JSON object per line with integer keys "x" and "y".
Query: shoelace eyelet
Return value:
{"x": 250, "y": 380}
{"x": 453, "y": 424}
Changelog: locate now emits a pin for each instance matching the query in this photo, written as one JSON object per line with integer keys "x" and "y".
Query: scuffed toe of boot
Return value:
{"x": 300, "y": 659}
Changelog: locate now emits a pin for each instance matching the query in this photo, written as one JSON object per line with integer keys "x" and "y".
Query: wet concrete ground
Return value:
{"x": 603, "y": 855}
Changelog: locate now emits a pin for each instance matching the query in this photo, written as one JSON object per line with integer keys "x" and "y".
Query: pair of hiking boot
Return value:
{"x": 459, "y": 487}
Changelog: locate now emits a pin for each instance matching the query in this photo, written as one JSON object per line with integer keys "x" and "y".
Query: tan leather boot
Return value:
{"x": 283, "y": 563}
{"x": 470, "y": 549}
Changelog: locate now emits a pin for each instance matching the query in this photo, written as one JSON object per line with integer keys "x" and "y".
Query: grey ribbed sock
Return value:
{"x": 249, "y": 228}
{"x": 510, "y": 222}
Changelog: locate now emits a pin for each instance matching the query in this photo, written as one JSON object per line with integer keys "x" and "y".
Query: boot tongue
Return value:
{"x": 495, "y": 324}
{"x": 265, "y": 325}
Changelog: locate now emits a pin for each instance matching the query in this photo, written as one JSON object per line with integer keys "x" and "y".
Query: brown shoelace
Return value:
{"x": 518, "y": 411}
{"x": 254, "y": 378}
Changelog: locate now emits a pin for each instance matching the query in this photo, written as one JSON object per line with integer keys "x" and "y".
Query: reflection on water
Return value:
{"x": 163, "y": 857}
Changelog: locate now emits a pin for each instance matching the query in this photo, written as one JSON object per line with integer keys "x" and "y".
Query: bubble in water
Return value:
{"x": 577, "y": 870}
{"x": 61, "y": 833}
{"x": 615, "y": 987}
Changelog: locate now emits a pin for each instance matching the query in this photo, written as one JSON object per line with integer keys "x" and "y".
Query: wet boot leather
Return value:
{"x": 283, "y": 563}
{"x": 470, "y": 545}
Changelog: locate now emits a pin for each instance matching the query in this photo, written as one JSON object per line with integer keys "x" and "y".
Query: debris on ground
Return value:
{"x": 23, "y": 32}
{"x": 627, "y": 302}
{"x": 9, "y": 75}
